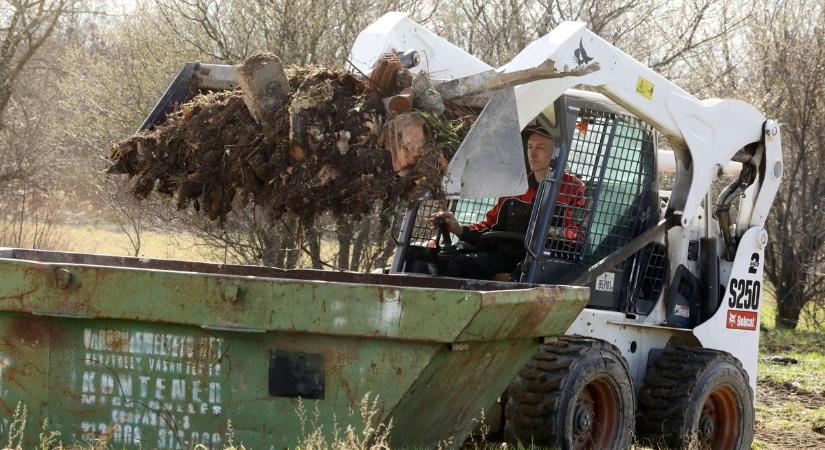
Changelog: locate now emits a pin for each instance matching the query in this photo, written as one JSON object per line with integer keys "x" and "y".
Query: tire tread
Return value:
{"x": 534, "y": 397}
{"x": 665, "y": 393}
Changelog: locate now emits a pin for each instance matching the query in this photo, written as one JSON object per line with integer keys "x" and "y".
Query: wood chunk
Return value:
{"x": 400, "y": 103}
{"x": 264, "y": 84}
{"x": 405, "y": 140}
{"x": 384, "y": 74}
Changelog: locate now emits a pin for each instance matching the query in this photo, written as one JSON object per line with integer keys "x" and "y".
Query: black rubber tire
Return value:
{"x": 679, "y": 384}
{"x": 542, "y": 400}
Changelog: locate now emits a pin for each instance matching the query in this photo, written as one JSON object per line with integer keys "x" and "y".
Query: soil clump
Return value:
{"x": 212, "y": 155}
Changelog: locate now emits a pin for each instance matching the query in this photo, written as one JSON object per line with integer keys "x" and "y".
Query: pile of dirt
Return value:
{"x": 212, "y": 155}
{"x": 774, "y": 392}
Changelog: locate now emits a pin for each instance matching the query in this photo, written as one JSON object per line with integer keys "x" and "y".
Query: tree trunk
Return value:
{"x": 389, "y": 245}
{"x": 5, "y": 97}
{"x": 358, "y": 247}
{"x": 270, "y": 243}
{"x": 788, "y": 308}
{"x": 292, "y": 243}
{"x": 314, "y": 243}
{"x": 344, "y": 233}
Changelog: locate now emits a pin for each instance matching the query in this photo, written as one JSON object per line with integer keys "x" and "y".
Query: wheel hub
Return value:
{"x": 718, "y": 427}
{"x": 707, "y": 427}
{"x": 584, "y": 419}
{"x": 596, "y": 416}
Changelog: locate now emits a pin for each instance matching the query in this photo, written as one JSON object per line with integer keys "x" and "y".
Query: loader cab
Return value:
{"x": 614, "y": 154}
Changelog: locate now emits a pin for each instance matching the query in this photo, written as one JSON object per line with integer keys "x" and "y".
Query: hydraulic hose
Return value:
{"x": 723, "y": 204}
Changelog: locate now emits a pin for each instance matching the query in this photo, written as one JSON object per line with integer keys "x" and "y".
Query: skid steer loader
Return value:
{"x": 667, "y": 347}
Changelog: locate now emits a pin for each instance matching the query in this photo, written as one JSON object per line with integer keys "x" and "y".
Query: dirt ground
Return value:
{"x": 778, "y": 402}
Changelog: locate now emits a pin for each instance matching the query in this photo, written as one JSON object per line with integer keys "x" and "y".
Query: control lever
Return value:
{"x": 444, "y": 241}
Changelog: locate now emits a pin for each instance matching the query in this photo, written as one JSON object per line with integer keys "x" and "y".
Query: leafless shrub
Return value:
{"x": 25, "y": 25}
{"x": 29, "y": 223}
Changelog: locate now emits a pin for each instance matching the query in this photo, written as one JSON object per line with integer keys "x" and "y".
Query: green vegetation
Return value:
{"x": 791, "y": 385}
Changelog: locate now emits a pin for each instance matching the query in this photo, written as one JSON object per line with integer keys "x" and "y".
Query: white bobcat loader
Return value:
{"x": 667, "y": 348}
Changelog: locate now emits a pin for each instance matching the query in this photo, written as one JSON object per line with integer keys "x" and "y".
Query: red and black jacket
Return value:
{"x": 513, "y": 213}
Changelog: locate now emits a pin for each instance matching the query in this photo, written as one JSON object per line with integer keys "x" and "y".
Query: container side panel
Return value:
{"x": 222, "y": 302}
{"x": 148, "y": 385}
{"x": 137, "y": 384}
{"x": 24, "y": 368}
{"x": 446, "y": 402}
{"x": 528, "y": 313}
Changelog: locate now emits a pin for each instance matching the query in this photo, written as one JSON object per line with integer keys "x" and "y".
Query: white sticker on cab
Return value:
{"x": 604, "y": 282}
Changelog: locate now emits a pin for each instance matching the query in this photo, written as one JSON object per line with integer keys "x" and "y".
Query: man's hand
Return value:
{"x": 452, "y": 224}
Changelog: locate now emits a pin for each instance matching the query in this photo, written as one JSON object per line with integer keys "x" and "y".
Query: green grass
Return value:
{"x": 793, "y": 416}
{"x": 808, "y": 374}
{"x": 791, "y": 397}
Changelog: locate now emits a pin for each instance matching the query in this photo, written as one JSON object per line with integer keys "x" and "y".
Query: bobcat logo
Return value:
{"x": 581, "y": 55}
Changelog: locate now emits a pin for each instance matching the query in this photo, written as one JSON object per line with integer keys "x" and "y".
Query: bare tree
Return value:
{"x": 299, "y": 31}
{"x": 25, "y": 25}
{"x": 788, "y": 47}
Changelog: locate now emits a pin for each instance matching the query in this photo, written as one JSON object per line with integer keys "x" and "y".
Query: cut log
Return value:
{"x": 405, "y": 140}
{"x": 400, "y": 103}
{"x": 384, "y": 74}
{"x": 264, "y": 84}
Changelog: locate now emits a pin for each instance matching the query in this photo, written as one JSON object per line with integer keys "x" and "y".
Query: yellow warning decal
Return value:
{"x": 645, "y": 87}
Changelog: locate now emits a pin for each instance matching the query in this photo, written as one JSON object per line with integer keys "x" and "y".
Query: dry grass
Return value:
{"x": 373, "y": 434}
{"x": 109, "y": 241}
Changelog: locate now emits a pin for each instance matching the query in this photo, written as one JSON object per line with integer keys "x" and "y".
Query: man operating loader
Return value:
{"x": 512, "y": 214}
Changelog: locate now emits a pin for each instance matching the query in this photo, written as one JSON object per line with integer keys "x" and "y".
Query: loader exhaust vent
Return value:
{"x": 612, "y": 155}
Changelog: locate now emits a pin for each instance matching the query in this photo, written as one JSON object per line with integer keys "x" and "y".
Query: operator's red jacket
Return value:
{"x": 513, "y": 213}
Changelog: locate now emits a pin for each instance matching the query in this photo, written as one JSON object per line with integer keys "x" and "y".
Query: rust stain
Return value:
{"x": 28, "y": 330}
{"x": 343, "y": 381}
{"x": 532, "y": 318}
{"x": 116, "y": 341}
{"x": 19, "y": 296}
{"x": 9, "y": 410}
{"x": 56, "y": 337}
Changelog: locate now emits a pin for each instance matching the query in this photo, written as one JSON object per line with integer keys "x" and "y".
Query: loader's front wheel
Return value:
{"x": 575, "y": 393}
{"x": 695, "y": 398}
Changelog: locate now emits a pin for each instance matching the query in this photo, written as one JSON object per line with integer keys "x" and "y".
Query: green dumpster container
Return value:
{"x": 161, "y": 354}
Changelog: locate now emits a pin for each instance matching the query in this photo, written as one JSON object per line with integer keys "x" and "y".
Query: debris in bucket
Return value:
{"x": 306, "y": 141}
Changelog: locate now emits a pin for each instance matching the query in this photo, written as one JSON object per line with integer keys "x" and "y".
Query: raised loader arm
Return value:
{"x": 704, "y": 134}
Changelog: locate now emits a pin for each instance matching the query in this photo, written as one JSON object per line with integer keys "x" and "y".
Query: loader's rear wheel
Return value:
{"x": 575, "y": 393}
{"x": 698, "y": 399}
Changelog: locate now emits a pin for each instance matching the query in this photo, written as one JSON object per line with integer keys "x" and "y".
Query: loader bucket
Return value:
{"x": 163, "y": 354}
{"x": 193, "y": 78}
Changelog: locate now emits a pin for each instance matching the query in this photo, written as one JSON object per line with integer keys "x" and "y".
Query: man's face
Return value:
{"x": 539, "y": 152}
